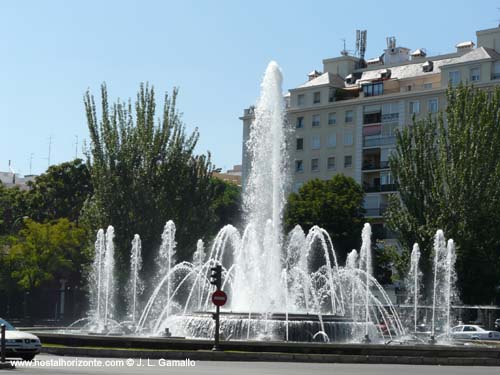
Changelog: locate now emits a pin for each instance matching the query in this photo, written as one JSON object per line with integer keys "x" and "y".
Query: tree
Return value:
{"x": 448, "y": 172}
{"x": 144, "y": 172}
{"x": 226, "y": 204}
{"x": 60, "y": 192}
{"x": 13, "y": 208}
{"x": 48, "y": 251}
{"x": 335, "y": 205}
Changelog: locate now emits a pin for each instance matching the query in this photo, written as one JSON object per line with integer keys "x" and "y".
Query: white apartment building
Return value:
{"x": 344, "y": 118}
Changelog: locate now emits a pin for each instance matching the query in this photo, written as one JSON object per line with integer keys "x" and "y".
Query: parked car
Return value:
{"x": 19, "y": 344}
{"x": 473, "y": 332}
{"x": 497, "y": 324}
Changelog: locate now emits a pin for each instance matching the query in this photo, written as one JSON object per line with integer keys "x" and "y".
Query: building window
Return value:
{"x": 301, "y": 100}
{"x": 331, "y": 163}
{"x": 317, "y": 97}
{"x": 315, "y": 120}
{"x": 372, "y": 118}
{"x": 496, "y": 70}
{"x": 347, "y": 161}
{"x": 299, "y": 166}
{"x": 415, "y": 107}
{"x": 332, "y": 140}
{"x": 427, "y": 86}
{"x": 300, "y": 144}
{"x": 432, "y": 105}
{"x": 348, "y": 139}
{"x": 315, "y": 142}
{"x": 331, "y": 95}
{"x": 475, "y": 74}
{"x": 454, "y": 77}
{"x": 314, "y": 165}
{"x": 348, "y": 116}
{"x": 332, "y": 118}
{"x": 373, "y": 89}
{"x": 300, "y": 123}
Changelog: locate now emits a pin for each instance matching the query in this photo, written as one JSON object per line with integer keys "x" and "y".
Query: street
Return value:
{"x": 124, "y": 366}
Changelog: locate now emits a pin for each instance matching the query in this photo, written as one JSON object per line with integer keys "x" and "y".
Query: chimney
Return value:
{"x": 313, "y": 74}
{"x": 464, "y": 47}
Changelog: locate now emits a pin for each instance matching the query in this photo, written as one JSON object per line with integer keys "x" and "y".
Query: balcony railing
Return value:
{"x": 376, "y": 188}
{"x": 373, "y": 141}
{"x": 375, "y": 212}
{"x": 390, "y": 117}
{"x": 371, "y": 165}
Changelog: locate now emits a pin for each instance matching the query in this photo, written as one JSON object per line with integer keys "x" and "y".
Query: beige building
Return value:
{"x": 231, "y": 175}
{"x": 344, "y": 118}
{"x": 11, "y": 179}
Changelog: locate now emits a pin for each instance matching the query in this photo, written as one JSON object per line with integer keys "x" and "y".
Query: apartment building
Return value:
{"x": 345, "y": 118}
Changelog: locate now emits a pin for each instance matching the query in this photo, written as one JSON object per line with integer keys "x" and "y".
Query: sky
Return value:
{"x": 215, "y": 52}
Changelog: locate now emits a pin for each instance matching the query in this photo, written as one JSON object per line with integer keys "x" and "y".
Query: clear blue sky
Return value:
{"x": 214, "y": 51}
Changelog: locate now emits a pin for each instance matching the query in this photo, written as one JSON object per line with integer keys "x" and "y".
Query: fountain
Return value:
{"x": 413, "y": 284}
{"x": 444, "y": 281}
{"x": 102, "y": 282}
{"x": 276, "y": 289}
{"x": 135, "y": 285}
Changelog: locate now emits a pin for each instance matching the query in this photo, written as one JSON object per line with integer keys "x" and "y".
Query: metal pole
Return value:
{"x": 217, "y": 328}
{"x": 2, "y": 345}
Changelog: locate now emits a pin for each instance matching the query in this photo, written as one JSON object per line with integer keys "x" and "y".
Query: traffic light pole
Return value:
{"x": 216, "y": 279}
{"x": 2, "y": 345}
{"x": 217, "y": 329}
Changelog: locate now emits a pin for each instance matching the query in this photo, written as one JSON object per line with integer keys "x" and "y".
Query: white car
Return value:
{"x": 473, "y": 332}
{"x": 19, "y": 344}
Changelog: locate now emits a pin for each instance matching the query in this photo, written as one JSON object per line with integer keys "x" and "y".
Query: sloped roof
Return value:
{"x": 415, "y": 69}
{"x": 325, "y": 79}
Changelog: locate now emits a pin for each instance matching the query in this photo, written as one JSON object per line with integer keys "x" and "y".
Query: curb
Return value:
{"x": 206, "y": 355}
{"x": 6, "y": 366}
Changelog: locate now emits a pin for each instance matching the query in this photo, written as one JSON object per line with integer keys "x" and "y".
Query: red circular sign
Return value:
{"x": 219, "y": 298}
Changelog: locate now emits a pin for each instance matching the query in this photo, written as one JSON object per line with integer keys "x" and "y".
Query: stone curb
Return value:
{"x": 206, "y": 355}
{"x": 6, "y": 366}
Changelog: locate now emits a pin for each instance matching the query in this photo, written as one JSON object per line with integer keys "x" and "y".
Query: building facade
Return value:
{"x": 345, "y": 118}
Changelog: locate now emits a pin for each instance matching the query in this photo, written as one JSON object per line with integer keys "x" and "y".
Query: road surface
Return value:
{"x": 54, "y": 365}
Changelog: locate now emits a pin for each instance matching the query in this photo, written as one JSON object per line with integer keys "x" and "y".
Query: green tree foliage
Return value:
{"x": 13, "y": 208}
{"x": 48, "y": 251}
{"x": 448, "y": 174}
{"x": 144, "y": 172}
{"x": 60, "y": 192}
{"x": 335, "y": 205}
{"x": 226, "y": 204}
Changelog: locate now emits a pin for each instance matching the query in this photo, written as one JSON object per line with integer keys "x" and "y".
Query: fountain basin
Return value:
{"x": 270, "y": 327}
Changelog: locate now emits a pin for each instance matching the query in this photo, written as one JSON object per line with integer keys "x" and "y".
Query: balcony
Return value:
{"x": 390, "y": 117}
{"x": 374, "y": 141}
{"x": 372, "y": 118}
{"x": 375, "y": 212}
{"x": 375, "y": 188}
{"x": 370, "y": 165}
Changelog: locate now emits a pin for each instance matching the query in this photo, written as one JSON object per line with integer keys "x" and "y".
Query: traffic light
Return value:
{"x": 216, "y": 276}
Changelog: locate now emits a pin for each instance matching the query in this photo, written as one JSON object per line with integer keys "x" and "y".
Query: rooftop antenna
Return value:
{"x": 76, "y": 146}
{"x": 50, "y": 151}
{"x": 344, "y": 52}
{"x": 13, "y": 172}
{"x": 391, "y": 42}
{"x": 31, "y": 161}
{"x": 361, "y": 43}
{"x": 358, "y": 39}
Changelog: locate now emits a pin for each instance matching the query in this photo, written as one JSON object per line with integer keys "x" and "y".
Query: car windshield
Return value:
{"x": 8, "y": 326}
